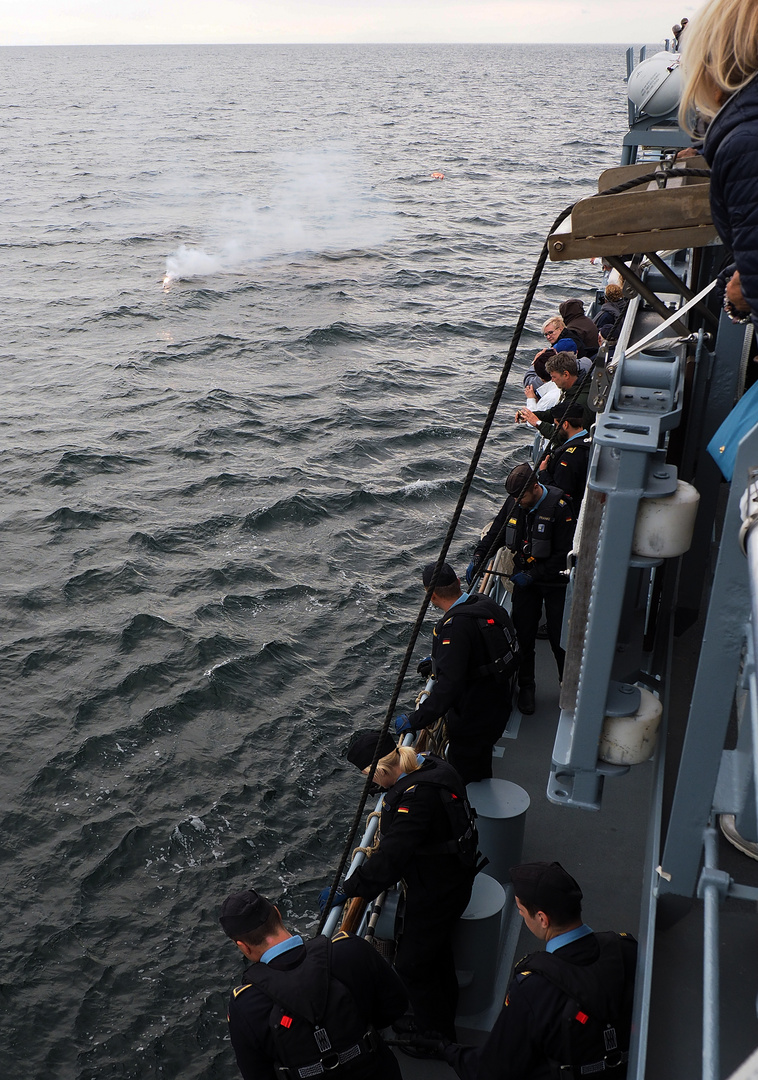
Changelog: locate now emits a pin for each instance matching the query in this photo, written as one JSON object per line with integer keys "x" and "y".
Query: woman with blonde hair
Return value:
{"x": 720, "y": 51}
{"x": 427, "y": 838}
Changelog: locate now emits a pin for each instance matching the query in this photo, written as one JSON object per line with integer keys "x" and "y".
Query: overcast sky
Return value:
{"x": 85, "y": 22}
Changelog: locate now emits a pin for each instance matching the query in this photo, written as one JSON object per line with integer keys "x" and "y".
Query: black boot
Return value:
{"x": 525, "y": 700}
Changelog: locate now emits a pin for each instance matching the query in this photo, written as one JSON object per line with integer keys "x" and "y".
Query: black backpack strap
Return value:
{"x": 305, "y": 996}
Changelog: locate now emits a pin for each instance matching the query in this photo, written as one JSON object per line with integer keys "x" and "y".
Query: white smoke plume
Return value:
{"x": 314, "y": 203}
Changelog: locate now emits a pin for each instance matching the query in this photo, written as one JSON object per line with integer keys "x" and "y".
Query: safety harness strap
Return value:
{"x": 368, "y": 1044}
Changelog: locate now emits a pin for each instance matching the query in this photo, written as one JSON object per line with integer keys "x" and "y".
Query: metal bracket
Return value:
{"x": 718, "y": 878}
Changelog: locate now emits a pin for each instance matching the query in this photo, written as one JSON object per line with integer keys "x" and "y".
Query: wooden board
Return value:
{"x": 639, "y": 220}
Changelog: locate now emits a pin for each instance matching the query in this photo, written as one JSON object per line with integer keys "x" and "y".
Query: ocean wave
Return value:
{"x": 75, "y": 465}
{"x": 64, "y": 519}
{"x": 89, "y": 586}
{"x": 306, "y": 509}
{"x": 185, "y": 536}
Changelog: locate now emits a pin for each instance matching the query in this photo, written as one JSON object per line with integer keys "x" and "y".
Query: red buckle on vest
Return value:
{"x": 286, "y": 1021}
{"x": 581, "y": 1017}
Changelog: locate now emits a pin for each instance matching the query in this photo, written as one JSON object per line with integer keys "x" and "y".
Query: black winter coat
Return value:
{"x": 529, "y": 1028}
{"x": 731, "y": 149}
{"x": 378, "y": 995}
{"x": 473, "y": 704}
{"x": 414, "y": 823}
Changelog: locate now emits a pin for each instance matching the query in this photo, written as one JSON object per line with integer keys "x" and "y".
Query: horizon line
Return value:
{"x": 132, "y": 44}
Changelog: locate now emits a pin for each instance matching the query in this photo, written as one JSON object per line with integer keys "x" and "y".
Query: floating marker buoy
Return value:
{"x": 438, "y": 176}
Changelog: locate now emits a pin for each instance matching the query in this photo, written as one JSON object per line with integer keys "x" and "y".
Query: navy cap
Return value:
{"x": 520, "y": 479}
{"x": 446, "y": 576}
{"x": 565, "y": 345}
{"x": 572, "y": 413}
{"x": 363, "y": 745}
{"x": 243, "y": 912}
{"x": 545, "y": 886}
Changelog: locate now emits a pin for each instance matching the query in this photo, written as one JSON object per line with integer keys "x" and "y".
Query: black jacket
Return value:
{"x": 731, "y": 149}
{"x": 377, "y": 994}
{"x": 567, "y": 466}
{"x": 470, "y": 700}
{"x": 528, "y": 1033}
{"x": 609, "y": 314}
{"x": 414, "y": 828}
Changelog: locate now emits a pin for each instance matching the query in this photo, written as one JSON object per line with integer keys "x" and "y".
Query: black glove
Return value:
{"x": 425, "y": 667}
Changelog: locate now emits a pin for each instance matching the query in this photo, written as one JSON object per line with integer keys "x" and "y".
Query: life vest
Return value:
{"x": 597, "y": 1017}
{"x": 314, "y": 1021}
{"x": 533, "y": 531}
{"x": 498, "y": 637}
{"x": 464, "y": 837}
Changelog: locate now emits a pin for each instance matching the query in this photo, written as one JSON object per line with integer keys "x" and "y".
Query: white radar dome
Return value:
{"x": 655, "y": 85}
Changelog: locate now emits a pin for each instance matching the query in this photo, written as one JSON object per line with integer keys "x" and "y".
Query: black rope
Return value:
{"x": 465, "y": 487}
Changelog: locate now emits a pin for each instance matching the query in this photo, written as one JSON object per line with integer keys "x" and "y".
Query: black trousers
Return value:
{"x": 526, "y": 612}
{"x": 424, "y": 958}
{"x": 470, "y": 749}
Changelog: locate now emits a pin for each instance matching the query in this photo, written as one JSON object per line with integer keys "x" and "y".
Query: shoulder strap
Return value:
{"x": 303, "y": 990}
{"x": 598, "y": 987}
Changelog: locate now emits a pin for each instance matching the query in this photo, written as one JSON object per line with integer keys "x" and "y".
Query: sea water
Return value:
{"x": 248, "y": 342}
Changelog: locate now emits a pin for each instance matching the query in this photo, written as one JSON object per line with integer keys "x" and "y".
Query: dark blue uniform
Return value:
{"x": 476, "y": 703}
{"x": 363, "y": 994}
{"x": 540, "y": 540}
{"x": 567, "y": 467}
{"x": 531, "y": 1031}
{"x": 416, "y": 844}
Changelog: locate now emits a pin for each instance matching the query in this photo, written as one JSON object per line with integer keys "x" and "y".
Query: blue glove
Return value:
{"x": 522, "y": 578}
{"x": 402, "y": 724}
{"x": 470, "y": 571}
{"x": 425, "y": 667}
{"x": 323, "y": 896}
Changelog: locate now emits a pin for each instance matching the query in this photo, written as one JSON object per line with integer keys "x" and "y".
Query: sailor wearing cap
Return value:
{"x": 307, "y": 1008}
{"x": 427, "y": 838}
{"x": 566, "y": 466}
{"x": 537, "y": 524}
{"x": 473, "y": 660}
{"x": 567, "y": 1009}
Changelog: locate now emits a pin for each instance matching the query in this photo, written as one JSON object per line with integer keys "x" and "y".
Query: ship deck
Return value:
{"x": 608, "y": 852}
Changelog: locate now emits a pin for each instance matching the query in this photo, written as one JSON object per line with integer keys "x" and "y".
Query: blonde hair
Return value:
{"x": 554, "y": 320}
{"x": 405, "y": 756}
{"x": 719, "y": 53}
